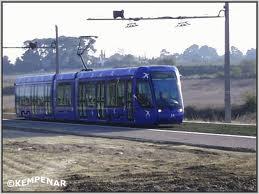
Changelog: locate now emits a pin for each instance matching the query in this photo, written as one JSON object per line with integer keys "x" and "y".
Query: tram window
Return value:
{"x": 81, "y": 95}
{"x": 64, "y": 94}
{"x": 120, "y": 94}
{"x": 30, "y": 94}
{"x": 17, "y": 94}
{"x": 46, "y": 93}
{"x": 41, "y": 95}
{"x": 21, "y": 95}
{"x": 26, "y": 95}
{"x": 33, "y": 91}
{"x": 90, "y": 95}
{"x": 129, "y": 90}
{"x": 47, "y": 98}
{"x": 111, "y": 94}
{"x": 144, "y": 95}
{"x": 36, "y": 95}
{"x": 37, "y": 101}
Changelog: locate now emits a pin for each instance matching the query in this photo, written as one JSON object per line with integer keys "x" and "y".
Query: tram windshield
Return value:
{"x": 166, "y": 90}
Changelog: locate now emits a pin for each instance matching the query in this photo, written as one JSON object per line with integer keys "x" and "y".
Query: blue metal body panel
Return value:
{"x": 141, "y": 116}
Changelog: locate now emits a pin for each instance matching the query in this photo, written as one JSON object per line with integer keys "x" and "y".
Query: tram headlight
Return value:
{"x": 180, "y": 110}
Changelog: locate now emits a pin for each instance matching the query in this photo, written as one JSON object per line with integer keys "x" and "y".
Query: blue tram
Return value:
{"x": 139, "y": 96}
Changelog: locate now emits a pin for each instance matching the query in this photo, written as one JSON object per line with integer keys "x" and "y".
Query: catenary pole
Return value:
{"x": 227, "y": 68}
{"x": 57, "y": 51}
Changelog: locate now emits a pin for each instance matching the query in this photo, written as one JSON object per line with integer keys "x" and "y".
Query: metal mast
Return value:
{"x": 57, "y": 51}
{"x": 227, "y": 68}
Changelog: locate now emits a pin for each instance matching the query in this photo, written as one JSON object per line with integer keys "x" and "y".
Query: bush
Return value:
{"x": 210, "y": 114}
{"x": 249, "y": 102}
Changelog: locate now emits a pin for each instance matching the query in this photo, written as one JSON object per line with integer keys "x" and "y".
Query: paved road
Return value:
{"x": 154, "y": 135}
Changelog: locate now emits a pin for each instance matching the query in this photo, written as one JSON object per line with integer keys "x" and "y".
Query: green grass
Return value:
{"x": 247, "y": 130}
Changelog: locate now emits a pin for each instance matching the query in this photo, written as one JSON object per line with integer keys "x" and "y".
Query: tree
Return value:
{"x": 208, "y": 53}
{"x": 248, "y": 68}
{"x": 130, "y": 60}
{"x": 7, "y": 66}
{"x": 30, "y": 61}
{"x": 192, "y": 53}
{"x": 235, "y": 55}
{"x": 165, "y": 58}
{"x": 251, "y": 54}
{"x": 164, "y": 52}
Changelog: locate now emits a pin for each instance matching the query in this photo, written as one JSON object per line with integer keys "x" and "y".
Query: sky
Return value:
{"x": 26, "y": 21}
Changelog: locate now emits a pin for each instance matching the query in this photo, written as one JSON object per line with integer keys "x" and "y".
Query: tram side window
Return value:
{"x": 22, "y": 97}
{"x": 129, "y": 91}
{"x": 36, "y": 95}
{"x": 81, "y": 97}
{"x": 144, "y": 95}
{"x": 81, "y": 94}
{"x": 40, "y": 95}
{"x": 64, "y": 94}
{"x": 115, "y": 93}
{"x": 47, "y": 93}
{"x": 26, "y": 95}
{"x": 17, "y": 94}
{"x": 90, "y": 94}
{"x": 111, "y": 94}
{"x": 120, "y": 94}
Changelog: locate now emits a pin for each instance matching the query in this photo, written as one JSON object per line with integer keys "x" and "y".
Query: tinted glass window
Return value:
{"x": 144, "y": 95}
{"x": 40, "y": 95}
{"x": 115, "y": 93}
{"x": 90, "y": 94}
{"x": 166, "y": 89}
{"x": 120, "y": 94}
{"x": 47, "y": 98}
{"x": 111, "y": 94}
{"x": 64, "y": 94}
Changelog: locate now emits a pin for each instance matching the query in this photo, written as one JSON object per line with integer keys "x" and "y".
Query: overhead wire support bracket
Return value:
{"x": 157, "y": 18}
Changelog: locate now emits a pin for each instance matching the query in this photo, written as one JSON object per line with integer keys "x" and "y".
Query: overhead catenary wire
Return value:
{"x": 156, "y": 18}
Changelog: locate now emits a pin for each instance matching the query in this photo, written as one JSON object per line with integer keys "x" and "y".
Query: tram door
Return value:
{"x": 129, "y": 99}
{"x": 100, "y": 100}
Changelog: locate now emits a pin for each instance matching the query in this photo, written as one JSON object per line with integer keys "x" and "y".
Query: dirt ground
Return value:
{"x": 98, "y": 164}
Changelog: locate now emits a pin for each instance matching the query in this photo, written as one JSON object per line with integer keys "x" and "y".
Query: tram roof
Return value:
{"x": 118, "y": 72}
{"x": 108, "y": 72}
{"x": 38, "y": 78}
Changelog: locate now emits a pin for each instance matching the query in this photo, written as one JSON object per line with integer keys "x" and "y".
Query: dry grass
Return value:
{"x": 210, "y": 92}
{"x": 249, "y": 118}
{"x": 8, "y": 103}
{"x": 8, "y": 80}
{"x": 99, "y": 164}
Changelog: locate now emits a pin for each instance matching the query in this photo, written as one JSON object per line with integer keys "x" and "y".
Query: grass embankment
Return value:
{"x": 246, "y": 110}
{"x": 103, "y": 165}
{"x": 247, "y": 130}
